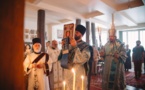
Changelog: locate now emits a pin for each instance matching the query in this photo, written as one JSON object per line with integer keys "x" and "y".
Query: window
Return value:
{"x": 142, "y": 37}
{"x": 132, "y": 38}
{"x": 125, "y": 37}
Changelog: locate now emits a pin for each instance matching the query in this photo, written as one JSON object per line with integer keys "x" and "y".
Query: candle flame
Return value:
{"x": 98, "y": 28}
{"x": 82, "y": 77}
{"x": 63, "y": 82}
{"x": 73, "y": 70}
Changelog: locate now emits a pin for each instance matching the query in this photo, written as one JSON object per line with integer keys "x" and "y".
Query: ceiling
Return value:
{"x": 127, "y": 13}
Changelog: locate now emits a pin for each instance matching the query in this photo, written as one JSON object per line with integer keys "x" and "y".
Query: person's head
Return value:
{"x": 79, "y": 32}
{"x": 28, "y": 46}
{"x": 37, "y": 45}
{"x": 138, "y": 43}
{"x": 111, "y": 38}
{"x": 54, "y": 44}
{"x": 127, "y": 46}
{"x": 47, "y": 43}
{"x": 94, "y": 48}
{"x": 112, "y": 34}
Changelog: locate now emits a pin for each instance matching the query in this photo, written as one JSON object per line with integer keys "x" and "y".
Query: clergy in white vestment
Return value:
{"x": 55, "y": 68}
{"x": 47, "y": 45}
{"x": 79, "y": 54}
{"x": 37, "y": 79}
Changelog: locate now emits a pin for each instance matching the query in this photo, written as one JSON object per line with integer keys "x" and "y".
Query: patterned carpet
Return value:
{"x": 96, "y": 83}
{"x": 130, "y": 80}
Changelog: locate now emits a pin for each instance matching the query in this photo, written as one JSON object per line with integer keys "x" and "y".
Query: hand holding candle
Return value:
{"x": 63, "y": 85}
{"x": 82, "y": 81}
{"x": 73, "y": 79}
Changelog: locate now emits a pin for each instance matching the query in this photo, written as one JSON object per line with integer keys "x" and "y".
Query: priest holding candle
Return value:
{"x": 79, "y": 53}
{"x": 36, "y": 66}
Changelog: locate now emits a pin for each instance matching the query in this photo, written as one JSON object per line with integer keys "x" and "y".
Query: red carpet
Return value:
{"x": 130, "y": 80}
{"x": 96, "y": 83}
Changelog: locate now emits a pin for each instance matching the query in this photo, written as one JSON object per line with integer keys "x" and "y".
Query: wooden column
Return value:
{"x": 93, "y": 35}
{"x": 88, "y": 32}
{"x": 11, "y": 45}
{"x": 78, "y": 21}
{"x": 41, "y": 28}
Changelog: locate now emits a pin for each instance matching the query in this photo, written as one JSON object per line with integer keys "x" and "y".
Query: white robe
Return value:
{"x": 42, "y": 78}
{"x": 53, "y": 53}
{"x": 57, "y": 69}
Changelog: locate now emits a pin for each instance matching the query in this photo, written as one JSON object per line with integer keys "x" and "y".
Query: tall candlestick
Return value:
{"x": 82, "y": 82}
{"x": 73, "y": 79}
{"x": 64, "y": 85}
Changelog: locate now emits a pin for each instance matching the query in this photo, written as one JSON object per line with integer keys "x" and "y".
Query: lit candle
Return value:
{"x": 82, "y": 81}
{"x": 73, "y": 79}
{"x": 63, "y": 85}
{"x": 98, "y": 28}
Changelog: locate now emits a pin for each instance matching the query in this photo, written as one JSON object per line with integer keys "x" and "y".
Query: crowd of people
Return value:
{"x": 84, "y": 60}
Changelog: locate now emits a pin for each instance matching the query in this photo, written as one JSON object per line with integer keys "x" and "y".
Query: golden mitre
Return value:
{"x": 112, "y": 31}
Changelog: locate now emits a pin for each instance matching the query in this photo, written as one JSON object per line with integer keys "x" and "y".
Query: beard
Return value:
{"x": 77, "y": 37}
{"x": 111, "y": 40}
{"x": 137, "y": 44}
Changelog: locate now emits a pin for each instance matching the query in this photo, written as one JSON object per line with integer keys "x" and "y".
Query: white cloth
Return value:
{"x": 53, "y": 54}
{"x": 42, "y": 78}
{"x": 56, "y": 76}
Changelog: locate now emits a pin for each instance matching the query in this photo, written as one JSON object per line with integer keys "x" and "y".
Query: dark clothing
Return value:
{"x": 128, "y": 60}
{"x": 137, "y": 68}
{"x": 94, "y": 68}
{"x": 137, "y": 59}
{"x": 144, "y": 65}
{"x": 137, "y": 53}
{"x": 144, "y": 62}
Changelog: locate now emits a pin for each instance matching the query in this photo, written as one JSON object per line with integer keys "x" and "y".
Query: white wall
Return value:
{"x": 31, "y": 24}
{"x": 54, "y": 34}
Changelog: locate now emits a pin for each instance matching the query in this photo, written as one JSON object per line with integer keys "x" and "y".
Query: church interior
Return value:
{"x": 23, "y": 20}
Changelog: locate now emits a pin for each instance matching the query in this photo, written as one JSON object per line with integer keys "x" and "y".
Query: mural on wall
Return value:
{"x": 60, "y": 34}
{"x": 45, "y": 35}
{"x": 26, "y": 30}
{"x": 29, "y": 34}
{"x": 26, "y": 36}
